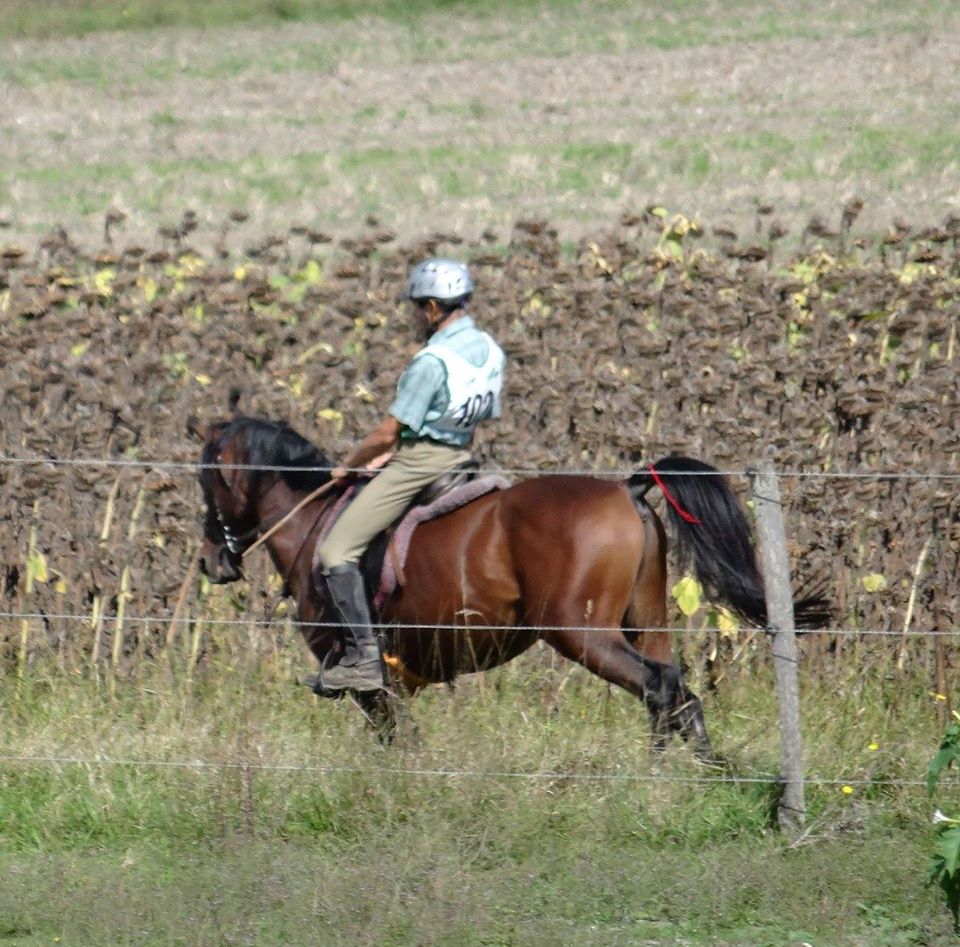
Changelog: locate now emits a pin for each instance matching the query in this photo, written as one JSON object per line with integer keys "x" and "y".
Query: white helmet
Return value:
{"x": 446, "y": 280}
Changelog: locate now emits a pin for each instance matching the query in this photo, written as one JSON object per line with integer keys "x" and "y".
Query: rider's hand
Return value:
{"x": 338, "y": 473}
{"x": 381, "y": 460}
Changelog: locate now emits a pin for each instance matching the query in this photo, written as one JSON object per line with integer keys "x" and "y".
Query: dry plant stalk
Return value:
{"x": 124, "y": 593}
{"x": 911, "y": 602}
{"x": 188, "y": 578}
{"x": 97, "y": 608}
{"x": 256, "y": 581}
{"x": 195, "y": 640}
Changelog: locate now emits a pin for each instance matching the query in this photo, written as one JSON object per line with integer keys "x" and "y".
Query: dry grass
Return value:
{"x": 465, "y": 121}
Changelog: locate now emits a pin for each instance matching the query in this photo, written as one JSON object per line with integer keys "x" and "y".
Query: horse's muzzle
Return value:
{"x": 219, "y": 565}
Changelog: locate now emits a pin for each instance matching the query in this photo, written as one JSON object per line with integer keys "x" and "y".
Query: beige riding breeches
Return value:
{"x": 415, "y": 464}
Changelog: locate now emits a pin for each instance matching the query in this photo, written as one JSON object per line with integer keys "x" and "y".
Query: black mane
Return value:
{"x": 275, "y": 444}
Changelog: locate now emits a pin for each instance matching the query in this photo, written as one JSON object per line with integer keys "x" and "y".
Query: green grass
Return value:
{"x": 388, "y": 177}
{"x": 25, "y": 18}
{"x": 880, "y": 149}
{"x": 666, "y": 25}
{"x": 107, "y": 73}
{"x": 413, "y": 887}
{"x": 301, "y": 812}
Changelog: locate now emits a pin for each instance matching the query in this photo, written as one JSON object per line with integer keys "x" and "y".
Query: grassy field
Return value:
{"x": 301, "y": 813}
{"x": 464, "y": 116}
{"x": 367, "y": 890}
{"x": 673, "y": 22}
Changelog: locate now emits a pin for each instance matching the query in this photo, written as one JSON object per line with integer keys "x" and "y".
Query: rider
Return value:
{"x": 449, "y": 386}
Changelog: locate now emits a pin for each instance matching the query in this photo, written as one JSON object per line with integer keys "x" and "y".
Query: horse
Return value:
{"x": 577, "y": 562}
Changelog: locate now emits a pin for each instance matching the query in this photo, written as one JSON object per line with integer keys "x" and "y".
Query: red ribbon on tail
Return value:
{"x": 671, "y": 499}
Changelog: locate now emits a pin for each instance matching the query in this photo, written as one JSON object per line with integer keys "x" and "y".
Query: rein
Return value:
{"x": 263, "y": 537}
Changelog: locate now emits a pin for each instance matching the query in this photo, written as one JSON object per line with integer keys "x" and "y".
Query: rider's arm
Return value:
{"x": 381, "y": 440}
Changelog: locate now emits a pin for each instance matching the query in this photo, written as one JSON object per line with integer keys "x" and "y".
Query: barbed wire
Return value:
{"x": 442, "y": 772}
{"x": 90, "y": 618}
{"x": 511, "y": 471}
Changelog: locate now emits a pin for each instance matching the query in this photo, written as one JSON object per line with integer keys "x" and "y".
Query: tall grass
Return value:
{"x": 252, "y": 812}
{"x": 233, "y": 742}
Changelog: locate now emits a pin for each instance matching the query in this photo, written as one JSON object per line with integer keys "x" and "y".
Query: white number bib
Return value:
{"x": 474, "y": 390}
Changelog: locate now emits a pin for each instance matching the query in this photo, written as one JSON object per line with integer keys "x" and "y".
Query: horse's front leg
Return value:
{"x": 378, "y": 709}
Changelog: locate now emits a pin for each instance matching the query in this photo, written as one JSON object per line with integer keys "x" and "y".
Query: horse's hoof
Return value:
{"x": 706, "y": 756}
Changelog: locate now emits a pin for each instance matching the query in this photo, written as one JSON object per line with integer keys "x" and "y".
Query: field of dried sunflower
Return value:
{"x": 638, "y": 344}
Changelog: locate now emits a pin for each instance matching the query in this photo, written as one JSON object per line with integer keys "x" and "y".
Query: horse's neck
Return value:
{"x": 291, "y": 546}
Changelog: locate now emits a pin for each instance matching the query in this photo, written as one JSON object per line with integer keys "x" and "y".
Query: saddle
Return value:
{"x": 382, "y": 563}
{"x": 445, "y": 483}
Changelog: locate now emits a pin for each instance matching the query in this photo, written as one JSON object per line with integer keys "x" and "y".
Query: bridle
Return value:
{"x": 239, "y": 544}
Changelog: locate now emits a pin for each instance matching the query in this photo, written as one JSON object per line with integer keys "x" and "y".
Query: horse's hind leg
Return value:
{"x": 609, "y": 655}
{"x": 648, "y": 610}
{"x": 686, "y": 716}
{"x": 683, "y": 713}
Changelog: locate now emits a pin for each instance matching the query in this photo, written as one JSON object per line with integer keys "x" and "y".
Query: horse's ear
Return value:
{"x": 196, "y": 428}
{"x": 233, "y": 400}
{"x": 205, "y": 432}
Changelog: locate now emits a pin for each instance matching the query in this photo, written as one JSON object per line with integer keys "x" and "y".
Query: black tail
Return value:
{"x": 714, "y": 536}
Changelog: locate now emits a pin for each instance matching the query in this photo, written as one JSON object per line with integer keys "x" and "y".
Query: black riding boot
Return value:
{"x": 361, "y": 667}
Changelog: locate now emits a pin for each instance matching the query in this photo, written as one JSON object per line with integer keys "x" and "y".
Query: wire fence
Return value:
{"x": 179, "y": 619}
{"x": 155, "y": 464}
{"x": 192, "y": 466}
{"x": 172, "y": 619}
{"x": 449, "y": 773}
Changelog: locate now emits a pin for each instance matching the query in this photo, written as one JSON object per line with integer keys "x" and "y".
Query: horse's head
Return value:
{"x": 235, "y": 474}
{"x": 229, "y": 524}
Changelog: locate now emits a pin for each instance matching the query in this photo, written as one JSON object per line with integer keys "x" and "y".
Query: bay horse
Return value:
{"x": 574, "y": 561}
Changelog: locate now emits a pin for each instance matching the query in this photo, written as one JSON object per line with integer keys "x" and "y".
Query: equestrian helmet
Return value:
{"x": 446, "y": 280}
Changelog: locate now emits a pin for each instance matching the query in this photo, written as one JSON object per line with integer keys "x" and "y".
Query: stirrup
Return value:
{"x": 315, "y": 682}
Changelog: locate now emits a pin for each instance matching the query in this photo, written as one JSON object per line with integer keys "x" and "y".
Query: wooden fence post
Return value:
{"x": 779, "y": 598}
